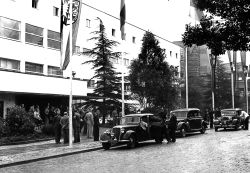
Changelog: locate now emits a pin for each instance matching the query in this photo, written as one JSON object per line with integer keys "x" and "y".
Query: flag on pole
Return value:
{"x": 65, "y": 29}
{"x": 122, "y": 19}
{"x": 195, "y": 13}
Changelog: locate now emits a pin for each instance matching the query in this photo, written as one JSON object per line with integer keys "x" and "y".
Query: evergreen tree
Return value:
{"x": 108, "y": 85}
{"x": 151, "y": 78}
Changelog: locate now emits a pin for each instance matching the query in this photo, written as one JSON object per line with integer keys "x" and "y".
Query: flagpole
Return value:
{"x": 123, "y": 107}
{"x": 186, "y": 68}
{"x": 70, "y": 63}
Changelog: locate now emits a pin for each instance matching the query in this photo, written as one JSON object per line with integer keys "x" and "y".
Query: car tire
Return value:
{"x": 106, "y": 146}
{"x": 183, "y": 132}
{"x": 216, "y": 129}
{"x": 203, "y": 129}
{"x": 132, "y": 142}
{"x": 236, "y": 127}
{"x": 158, "y": 140}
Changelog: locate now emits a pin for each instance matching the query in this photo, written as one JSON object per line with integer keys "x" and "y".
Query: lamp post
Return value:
{"x": 232, "y": 81}
{"x": 245, "y": 71}
{"x": 213, "y": 66}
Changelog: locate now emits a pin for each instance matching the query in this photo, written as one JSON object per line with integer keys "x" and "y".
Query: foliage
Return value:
{"x": 108, "y": 85}
{"x": 150, "y": 76}
{"x": 235, "y": 15}
{"x": 48, "y": 129}
{"x": 19, "y": 121}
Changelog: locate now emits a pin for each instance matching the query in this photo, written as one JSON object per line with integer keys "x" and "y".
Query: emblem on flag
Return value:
{"x": 66, "y": 13}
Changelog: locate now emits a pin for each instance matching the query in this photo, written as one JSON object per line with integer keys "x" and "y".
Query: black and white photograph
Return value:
{"x": 124, "y": 86}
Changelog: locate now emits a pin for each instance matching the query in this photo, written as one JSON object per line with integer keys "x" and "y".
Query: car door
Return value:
{"x": 143, "y": 131}
{"x": 192, "y": 120}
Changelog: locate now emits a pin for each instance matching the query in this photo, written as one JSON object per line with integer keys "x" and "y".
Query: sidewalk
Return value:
{"x": 11, "y": 155}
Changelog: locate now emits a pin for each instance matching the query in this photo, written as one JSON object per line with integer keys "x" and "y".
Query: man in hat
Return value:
{"x": 65, "y": 127}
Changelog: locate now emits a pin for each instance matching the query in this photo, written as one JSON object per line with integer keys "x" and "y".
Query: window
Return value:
{"x": 77, "y": 50}
{"x": 55, "y": 11}
{"x": 32, "y": 67}
{"x": 54, "y": 40}
{"x": 113, "y": 32}
{"x": 33, "y": 34}
{"x": 9, "y": 28}
{"x": 88, "y": 23}
{"x": 133, "y": 39}
{"x": 115, "y": 60}
{"x": 125, "y": 62}
{"x": 91, "y": 84}
{"x": 9, "y": 64}
{"x": 55, "y": 71}
{"x": 34, "y": 3}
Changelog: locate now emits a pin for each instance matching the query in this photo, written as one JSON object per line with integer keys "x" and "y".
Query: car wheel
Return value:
{"x": 236, "y": 127}
{"x": 183, "y": 132}
{"x": 216, "y": 129}
{"x": 158, "y": 140}
{"x": 203, "y": 129}
{"x": 106, "y": 146}
{"x": 132, "y": 142}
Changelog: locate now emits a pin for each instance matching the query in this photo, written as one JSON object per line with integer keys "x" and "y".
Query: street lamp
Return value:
{"x": 232, "y": 81}
{"x": 213, "y": 66}
{"x": 245, "y": 71}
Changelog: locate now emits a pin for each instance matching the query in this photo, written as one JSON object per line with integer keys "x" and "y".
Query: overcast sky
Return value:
{"x": 166, "y": 18}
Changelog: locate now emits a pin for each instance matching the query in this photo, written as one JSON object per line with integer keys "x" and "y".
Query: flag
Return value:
{"x": 122, "y": 19}
{"x": 195, "y": 13}
{"x": 65, "y": 29}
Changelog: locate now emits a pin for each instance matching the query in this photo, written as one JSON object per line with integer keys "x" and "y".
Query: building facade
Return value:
{"x": 30, "y": 57}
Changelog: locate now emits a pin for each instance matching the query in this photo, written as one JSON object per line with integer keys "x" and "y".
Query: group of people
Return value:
{"x": 82, "y": 121}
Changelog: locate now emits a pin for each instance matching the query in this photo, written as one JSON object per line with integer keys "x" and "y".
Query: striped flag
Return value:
{"x": 195, "y": 13}
{"x": 65, "y": 29}
{"x": 122, "y": 19}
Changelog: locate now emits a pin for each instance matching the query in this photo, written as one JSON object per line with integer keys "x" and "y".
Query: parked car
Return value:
{"x": 134, "y": 128}
{"x": 230, "y": 118}
{"x": 189, "y": 120}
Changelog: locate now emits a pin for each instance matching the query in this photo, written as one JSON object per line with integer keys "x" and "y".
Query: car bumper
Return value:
{"x": 224, "y": 125}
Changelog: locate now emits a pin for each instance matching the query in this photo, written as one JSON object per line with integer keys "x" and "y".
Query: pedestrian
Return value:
{"x": 90, "y": 122}
{"x": 97, "y": 114}
{"x": 211, "y": 117}
{"x": 245, "y": 117}
{"x": 206, "y": 115}
{"x": 46, "y": 114}
{"x": 76, "y": 125}
{"x": 38, "y": 119}
{"x": 57, "y": 126}
{"x": 115, "y": 117}
{"x": 65, "y": 127}
{"x": 172, "y": 127}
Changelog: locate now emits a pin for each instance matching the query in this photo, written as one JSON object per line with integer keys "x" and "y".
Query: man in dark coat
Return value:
{"x": 96, "y": 125}
{"x": 172, "y": 127}
{"x": 76, "y": 125}
{"x": 65, "y": 127}
{"x": 211, "y": 118}
{"x": 57, "y": 126}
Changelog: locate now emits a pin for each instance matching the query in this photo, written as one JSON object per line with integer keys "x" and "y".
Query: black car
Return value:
{"x": 189, "y": 120}
{"x": 230, "y": 118}
{"x": 134, "y": 128}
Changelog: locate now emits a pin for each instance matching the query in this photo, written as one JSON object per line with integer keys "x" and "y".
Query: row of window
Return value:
{"x": 92, "y": 84}
{"x": 10, "y": 64}
{"x": 119, "y": 61}
{"x": 113, "y": 31}
{"x": 11, "y": 29}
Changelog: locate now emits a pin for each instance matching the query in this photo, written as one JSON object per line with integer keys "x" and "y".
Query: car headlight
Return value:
{"x": 122, "y": 130}
{"x": 108, "y": 131}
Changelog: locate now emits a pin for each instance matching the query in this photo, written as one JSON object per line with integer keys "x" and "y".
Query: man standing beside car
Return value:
{"x": 172, "y": 127}
{"x": 245, "y": 117}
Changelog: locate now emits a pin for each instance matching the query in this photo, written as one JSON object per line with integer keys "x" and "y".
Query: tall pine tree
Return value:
{"x": 108, "y": 84}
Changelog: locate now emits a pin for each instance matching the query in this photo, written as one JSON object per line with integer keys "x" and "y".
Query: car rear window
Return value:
{"x": 228, "y": 113}
{"x": 181, "y": 114}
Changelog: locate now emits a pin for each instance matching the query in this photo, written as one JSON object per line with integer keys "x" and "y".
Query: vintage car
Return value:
{"x": 230, "y": 118}
{"x": 134, "y": 128}
{"x": 188, "y": 120}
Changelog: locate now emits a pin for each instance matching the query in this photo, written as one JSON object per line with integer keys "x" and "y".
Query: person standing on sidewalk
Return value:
{"x": 245, "y": 116}
{"x": 96, "y": 125}
{"x": 76, "y": 125}
{"x": 65, "y": 127}
{"x": 172, "y": 127}
{"x": 89, "y": 119}
{"x": 57, "y": 126}
{"x": 211, "y": 118}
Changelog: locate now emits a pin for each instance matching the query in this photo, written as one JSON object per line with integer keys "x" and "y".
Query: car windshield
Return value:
{"x": 228, "y": 112}
{"x": 130, "y": 120}
{"x": 180, "y": 114}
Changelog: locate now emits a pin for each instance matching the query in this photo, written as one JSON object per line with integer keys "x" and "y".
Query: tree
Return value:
{"x": 235, "y": 15}
{"x": 151, "y": 78}
{"x": 108, "y": 85}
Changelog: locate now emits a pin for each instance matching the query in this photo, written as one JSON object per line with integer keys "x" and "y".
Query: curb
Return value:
{"x": 49, "y": 157}
{"x": 27, "y": 142}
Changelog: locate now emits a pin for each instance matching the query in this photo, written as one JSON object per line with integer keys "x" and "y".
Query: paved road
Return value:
{"x": 223, "y": 151}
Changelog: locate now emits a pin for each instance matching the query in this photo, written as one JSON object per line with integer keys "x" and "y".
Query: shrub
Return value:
{"x": 19, "y": 121}
{"x": 3, "y": 128}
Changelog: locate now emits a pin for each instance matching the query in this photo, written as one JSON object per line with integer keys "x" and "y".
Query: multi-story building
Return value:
{"x": 30, "y": 56}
